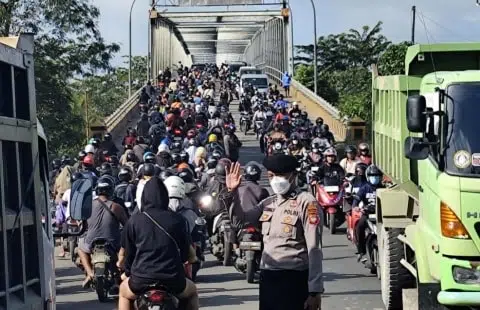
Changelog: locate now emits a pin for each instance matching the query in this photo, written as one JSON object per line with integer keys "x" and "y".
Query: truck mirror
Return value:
{"x": 416, "y": 113}
{"x": 416, "y": 148}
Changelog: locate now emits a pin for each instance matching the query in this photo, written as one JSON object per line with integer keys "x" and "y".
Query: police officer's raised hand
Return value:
{"x": 234, "y": 177}
{"x": 313, "y": 302}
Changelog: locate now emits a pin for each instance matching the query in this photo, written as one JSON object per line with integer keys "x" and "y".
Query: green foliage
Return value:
{"x": 344, "y": 60}
{"x": 392, "y": 61}
{"x": 67, "y": 44}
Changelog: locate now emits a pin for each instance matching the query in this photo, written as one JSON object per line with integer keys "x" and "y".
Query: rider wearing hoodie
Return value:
{"x": 155, "y": 247}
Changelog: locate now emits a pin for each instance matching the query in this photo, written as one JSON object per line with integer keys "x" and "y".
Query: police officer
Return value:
{"x": 367, "y": 195}
{"x": 291, "y": 221}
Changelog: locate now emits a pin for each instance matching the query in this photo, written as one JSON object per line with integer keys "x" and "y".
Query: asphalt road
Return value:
{"x": 348, "y": 285}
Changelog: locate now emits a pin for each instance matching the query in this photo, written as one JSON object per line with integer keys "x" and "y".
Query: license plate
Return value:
{"x": 331, "y": 189}
{"x": 251, "y": 245}
{"x": 177, "y": 138}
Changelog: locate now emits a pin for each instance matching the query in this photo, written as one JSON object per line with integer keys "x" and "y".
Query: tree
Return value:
{"x": 68, "y": 43}
{"x": 392, "y": 61}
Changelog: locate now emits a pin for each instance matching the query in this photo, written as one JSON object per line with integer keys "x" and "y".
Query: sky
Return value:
{"x": 437, "y": 20}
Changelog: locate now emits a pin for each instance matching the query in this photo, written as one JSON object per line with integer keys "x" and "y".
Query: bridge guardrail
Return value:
{"x": 343, "y": 128}
{"x": 120, "y": 117}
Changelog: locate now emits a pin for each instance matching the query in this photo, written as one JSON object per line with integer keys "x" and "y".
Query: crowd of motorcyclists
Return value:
{"x": 147, "y": 199}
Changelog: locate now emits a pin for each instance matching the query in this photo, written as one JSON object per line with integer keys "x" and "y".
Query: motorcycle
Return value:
{"x": 73, "y": 227}
{"x": 258, "y": 127}
{"x": 221, "y": 235}
{"x": 199, "y": 246}
{"x": 157, "y": 298}
{"x": 330, "y": 199}
{"x": 107, "y": 275}
{"x": 249, "y": 252}
{"x": 245, "y": 121}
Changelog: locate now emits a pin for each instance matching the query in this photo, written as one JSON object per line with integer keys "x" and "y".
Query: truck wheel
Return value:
{"x": 394, "y": 277}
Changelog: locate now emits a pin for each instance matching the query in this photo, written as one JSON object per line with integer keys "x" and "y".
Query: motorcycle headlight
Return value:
{"x": 205, "y": 201}
{"x": 466, "y": 275}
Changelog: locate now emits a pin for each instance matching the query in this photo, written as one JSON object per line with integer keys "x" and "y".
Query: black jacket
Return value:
{"x": 150, "y": 253}
{"x": 249, "y": 195}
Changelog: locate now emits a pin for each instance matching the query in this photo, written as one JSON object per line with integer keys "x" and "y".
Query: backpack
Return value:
{"x": 81, "y": 199}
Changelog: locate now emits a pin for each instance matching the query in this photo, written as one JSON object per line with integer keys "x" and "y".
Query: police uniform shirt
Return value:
{"x": 292, "y": 235}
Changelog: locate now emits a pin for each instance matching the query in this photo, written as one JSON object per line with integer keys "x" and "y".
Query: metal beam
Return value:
{"x": 266, "y": 13}
{"x": 214, "y": 25}
{"x": 219, "y": 27}
{"x": 228, "y": 41}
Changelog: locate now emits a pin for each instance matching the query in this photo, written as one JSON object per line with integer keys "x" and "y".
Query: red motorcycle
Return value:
{"x": 330, "y": 199}
{"x": 352, "y": 219}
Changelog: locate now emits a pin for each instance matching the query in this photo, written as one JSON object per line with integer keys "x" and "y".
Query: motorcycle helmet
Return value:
{"x": 81, "y": 155}
{"x": 65, "y": 160}
{"x": 131, "y": 157}
{"x": 177, "y": 145}
{"x": 360, "y": 169}
{"x": 176, "y": 158}
{"x": 113, "y": 160}
{"x": 186, "y": 175}
{"x": 351, "y": 149}
{"x": 212, "y": 163}
{"x": 76, "y": 176}
{"x": 105, "y": 169}
{"x": 149, "y": 157}
{"x": 184, "y": 157}
{"x": 148, "y": 170}
{"x": 107, "y": 136}
{"x": 125, "y": 174}
{"x": 319, "y": 121}
{"x": 222, "y": 166}
{"x": 175, "y": 187}
{"x": 364, "y": 148}
{"x": 89, "y": 149}
{"x": 105, "y": 186}
{"x": 325, "y": 128}
{"x": 212, "y": 138}
{"x": 330, "y": 152}
{"x": 217, "y": 154}
{"x": 374, "y": 175}
{"x": 56, "y": 163}
{"x": 252, "y": 171}
{"x": 315, "y": 147}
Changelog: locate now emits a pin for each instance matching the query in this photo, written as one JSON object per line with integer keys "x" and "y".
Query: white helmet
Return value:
{"x": 163, "y": 148}
{"x": 175, "y": 186}
{"x": 330, "y": 152}
{"x": 295, "y": 104}
{"x": 198, "y": 108}
{"x": 89, "y": 148}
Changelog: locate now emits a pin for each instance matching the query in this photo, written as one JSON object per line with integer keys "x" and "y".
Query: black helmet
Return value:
{"x": 81, "y": 155}
{"x": 184, "y": 157}
{"x": 319, "y": 121}
{"x": 373, "y": 170}
{"x": 350, "y": 149}
{"x": 105, "y": 186}
{"x": 217, "y": 154}
{"x": 95, "y": 142}
{"x": 325, "y": 128}
{"x": 105, "y": 169}
{"x": 212, "y": 163}
{"x": 222, "y": 166}
{"x": 252, "y": 171}
{"x": 164, "y": 174}
{"x": 132, "y": 131}
{"x": 149, "y": 158}
{"x": 176, "y": 158}
{"x": 360, "y": 169}
{"x": 65, "y": 160}
{"x": 107, "y": 136}
{"x": 131, "y": 157}
{"x": 186, "y": 175}
{"x": 149, "y": 170}
{"x": 364, "y": 147}
{"x": 304, "y": 115}
{"x": 113, "y": 160}
{"x": 56, "y": 163}
{"x": 125, "y": 174}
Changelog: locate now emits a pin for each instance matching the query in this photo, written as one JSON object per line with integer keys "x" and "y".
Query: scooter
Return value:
{"x": 330, "y": 199}
{"x": 107, "y": 275}
{"x": 249, "y": 252}
{"x": 198, "y": 244}
{"x": 245, "y": 121}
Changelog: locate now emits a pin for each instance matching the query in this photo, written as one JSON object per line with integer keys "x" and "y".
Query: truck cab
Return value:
{"x": 426, "y": 140}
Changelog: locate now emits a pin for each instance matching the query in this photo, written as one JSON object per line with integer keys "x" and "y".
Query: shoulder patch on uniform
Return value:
{"x": 312, "y": 213}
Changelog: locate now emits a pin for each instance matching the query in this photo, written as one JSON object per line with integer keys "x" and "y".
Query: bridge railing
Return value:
{"x": 343, "y": 128}
{"x": 120, "y": 118}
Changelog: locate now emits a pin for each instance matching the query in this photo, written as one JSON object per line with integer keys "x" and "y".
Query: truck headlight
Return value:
{"x": 466, "y": 275}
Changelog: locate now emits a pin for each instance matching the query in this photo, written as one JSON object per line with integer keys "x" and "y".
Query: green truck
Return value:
{"x": 426, "y": 138}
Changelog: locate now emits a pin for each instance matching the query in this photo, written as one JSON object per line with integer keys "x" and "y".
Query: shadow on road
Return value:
{"x": 220, "y": 278}
{"x": 331, "y": 276}
{"x": 226, "y": 300}
{"x": 353, "y": 292}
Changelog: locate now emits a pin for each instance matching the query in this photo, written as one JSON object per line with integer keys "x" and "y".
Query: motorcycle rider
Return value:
{"x": 315, "y": 155}
{"x": 143, "y": 125}
{"x": 365, "y": 156}
{"x": 250, "y": 193}
{"x": 291, "y": 263}
{"x": 108, "y": 145}
{"x": 209, "y": 174}
{"x": 231, "y": 143}
{"x": 126, "y": 189}
{"x": 164, "y": 159}
{"x": 155, "y": 247}
{"x": 148, "y": 174}
{"x": 267, "y": 126}
{"x": 148, "y": 158}
{"x": 104, "y": 223}
{"x": 330, "y": 170}
{"x": 366, "y": 194}
{"x": 295, "y": 111}
{"x": 349, "y": 163}
{"x": 327, "y": 134}
{"x": 295, "y": 147}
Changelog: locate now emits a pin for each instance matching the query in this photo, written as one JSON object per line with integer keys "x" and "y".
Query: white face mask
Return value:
{"x": 280, "y": 185}
{"x": 174, "y": 204}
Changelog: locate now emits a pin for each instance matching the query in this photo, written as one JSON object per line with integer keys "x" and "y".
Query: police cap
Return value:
{"x": 280, "y": 163}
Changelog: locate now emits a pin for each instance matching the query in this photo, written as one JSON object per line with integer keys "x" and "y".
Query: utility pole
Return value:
{"x": 414, "y": 13}
{"x": 87, "y": 121}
